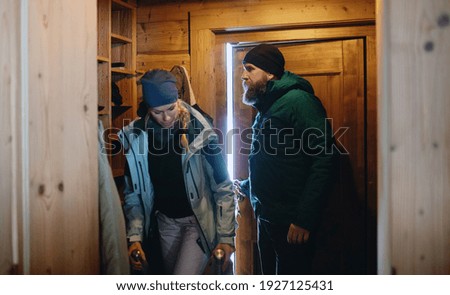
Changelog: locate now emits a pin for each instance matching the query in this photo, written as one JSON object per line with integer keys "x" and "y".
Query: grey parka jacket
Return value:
{"x": 208, "y": 186}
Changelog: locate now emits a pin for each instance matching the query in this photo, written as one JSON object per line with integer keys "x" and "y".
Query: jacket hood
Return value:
{"x": 288, "y": 82}
{"x": 277, "y": 88}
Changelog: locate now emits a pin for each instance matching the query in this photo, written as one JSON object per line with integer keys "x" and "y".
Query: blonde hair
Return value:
{"x": 184, "y": 116}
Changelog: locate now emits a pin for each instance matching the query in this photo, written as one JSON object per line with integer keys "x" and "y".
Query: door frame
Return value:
{"x": 208, "y": 72}
{"x": 342, "y": 61}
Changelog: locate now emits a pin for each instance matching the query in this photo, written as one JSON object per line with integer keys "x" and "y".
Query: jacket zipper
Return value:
{"x": 195, "y": 216}
{"x": 193, "y": 181}
{"x": 142, "y": 173}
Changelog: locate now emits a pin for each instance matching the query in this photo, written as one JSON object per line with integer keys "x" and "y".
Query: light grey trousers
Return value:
{"x": 181, "y": 252}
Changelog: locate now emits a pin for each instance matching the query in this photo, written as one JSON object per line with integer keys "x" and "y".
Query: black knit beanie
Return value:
{"x": 266, "y": 57}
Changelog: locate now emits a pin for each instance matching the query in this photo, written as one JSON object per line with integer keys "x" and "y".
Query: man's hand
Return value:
{"x": 228, "y": 249}
{"x": 297, "y": 234}
{"x": 137, "y": 256}
{"x": 238, "y": 190}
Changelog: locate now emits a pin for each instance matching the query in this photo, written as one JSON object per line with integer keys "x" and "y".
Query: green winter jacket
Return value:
{"x": 291, "y": 158}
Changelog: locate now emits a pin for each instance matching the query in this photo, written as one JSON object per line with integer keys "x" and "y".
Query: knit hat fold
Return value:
{"x": 159, "y": 88}
{"x": 266, "y": 57}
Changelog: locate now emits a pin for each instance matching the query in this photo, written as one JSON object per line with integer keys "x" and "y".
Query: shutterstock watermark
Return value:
{"x": 268, "y": 139}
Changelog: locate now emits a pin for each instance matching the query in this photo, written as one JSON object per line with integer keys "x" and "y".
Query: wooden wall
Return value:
{"x": 49, "y": 154}
{"x": 10, "y": 135}
{"x": 414, "y": 146}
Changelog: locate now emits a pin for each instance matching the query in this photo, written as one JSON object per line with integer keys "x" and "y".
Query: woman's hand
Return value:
{"x": 228, "y": 250}
{"x": 137, "y": 257}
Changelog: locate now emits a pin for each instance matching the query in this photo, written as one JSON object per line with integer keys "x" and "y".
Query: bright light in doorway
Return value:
{"x": 229, "y": 139}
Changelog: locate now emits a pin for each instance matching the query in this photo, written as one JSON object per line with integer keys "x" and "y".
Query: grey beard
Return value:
{"x": 252, "y": 94}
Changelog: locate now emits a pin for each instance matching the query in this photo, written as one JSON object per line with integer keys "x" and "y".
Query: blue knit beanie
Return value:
{"x": 159, "y": 88}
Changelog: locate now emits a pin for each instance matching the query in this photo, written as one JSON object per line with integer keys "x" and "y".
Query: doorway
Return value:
{"x": 337, "y": 69}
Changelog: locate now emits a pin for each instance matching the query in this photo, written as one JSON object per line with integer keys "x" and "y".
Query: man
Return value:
{"x": 290, "y": 161}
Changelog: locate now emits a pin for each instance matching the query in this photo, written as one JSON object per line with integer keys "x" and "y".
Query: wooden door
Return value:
{"x": 335, "y": 68}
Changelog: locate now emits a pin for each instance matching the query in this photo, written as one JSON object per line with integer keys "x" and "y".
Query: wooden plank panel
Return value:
{"x": 354, "y": 103}
{"x": 283, "y": 13}
{"x": 383, "y": 148}
{"x": 242, "y": 121}
{"x": 416, "y": 90}
{"x": 163, "y": 36}
{"x": 202, "y": 70}
{"x": 120, "y": 20}
{"x": 299, "y": 34}
{"x": 371, "y": 148}
{"x": 162, "y": 13}
{"x": 63, "y": 140}
{"x": 134, "y": 62}
{"x": 10, "y": 132}
{"x": 122, "y": 53}
{"x": 168, "y": 23}
{"x": 331, "y": 61}
{"x": 146, "y": 62}
{"x": 166, "y": 61}
{"x": 103, "y": 27}
{"x": 220, "y": 97}
{"x": 104, "y": 87}
{"x": 354, "y": 140}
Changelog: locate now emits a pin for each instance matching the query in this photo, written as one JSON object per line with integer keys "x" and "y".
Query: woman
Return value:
{"x": 177, "y": 173}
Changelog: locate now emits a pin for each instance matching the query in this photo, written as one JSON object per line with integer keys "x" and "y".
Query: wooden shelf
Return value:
{"x": 122, "y": 71}
{"x": 117, "y": 110}
{"x": 116, "y": 24}
{"x": 102, "y": 59}
{"x": 119, "y": 5}
{"x": 104, "y": 112}
{"x": 119, "y": 39}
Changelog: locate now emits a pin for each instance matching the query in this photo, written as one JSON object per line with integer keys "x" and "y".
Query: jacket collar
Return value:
{"x": 200, "y": 131}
